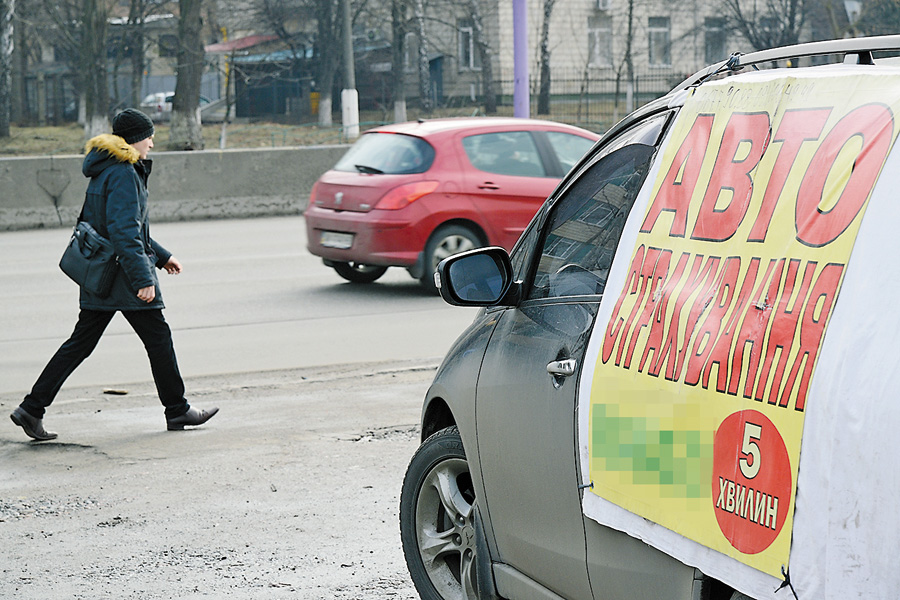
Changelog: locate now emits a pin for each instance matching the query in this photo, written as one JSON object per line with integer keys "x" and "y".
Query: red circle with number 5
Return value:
{"x": 751, "y": 481}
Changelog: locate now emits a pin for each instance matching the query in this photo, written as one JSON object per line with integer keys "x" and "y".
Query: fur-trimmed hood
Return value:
{"x": 114, "y": 145}
{"x": 106, "y": 149}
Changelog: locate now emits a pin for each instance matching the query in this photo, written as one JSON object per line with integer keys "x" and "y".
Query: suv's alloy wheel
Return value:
{"x": 437, "y": 519}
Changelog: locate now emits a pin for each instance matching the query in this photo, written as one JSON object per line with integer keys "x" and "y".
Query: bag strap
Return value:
{"x": 103, "y": 194}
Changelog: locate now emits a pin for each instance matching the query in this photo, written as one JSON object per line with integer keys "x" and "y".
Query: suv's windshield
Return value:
{"x": 387, "y": 153}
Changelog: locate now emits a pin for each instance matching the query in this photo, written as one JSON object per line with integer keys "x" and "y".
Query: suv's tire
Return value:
{"x": 437, "y": 519}
{"x": 358, "y": 272}
{"x": 446, "y": 241}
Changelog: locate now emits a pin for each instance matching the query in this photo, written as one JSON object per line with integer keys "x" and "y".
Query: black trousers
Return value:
{"x": 154, "y": 332}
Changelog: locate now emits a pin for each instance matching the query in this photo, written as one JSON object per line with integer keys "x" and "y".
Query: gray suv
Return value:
{"x": 623, "y": 418}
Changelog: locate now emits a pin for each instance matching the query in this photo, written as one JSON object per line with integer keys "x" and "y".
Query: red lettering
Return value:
{"x": 731, "y": 177}
{"x": 675, "y": 193}
{"x": 647, "y": 270}
{"x": 659, "y": 273}
{"x": 815, "y": 227}
{"x": 703, "y": 299}
{"x": 753, "y": 330}
{"x": 670, "y": 347}
{"x": 722, "y": 350}
{"x": 784, "y": 326}
{"x": 658, "y": 328}
{"x": 797, "y": 127}
{"x": 709, "y": 331}
{"x": 812, "y": 329}
{"x": 615, "y": 322}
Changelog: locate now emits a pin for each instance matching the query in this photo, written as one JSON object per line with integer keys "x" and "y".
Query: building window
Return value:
{"x": 168, "y": 45}
{"x": 468, "y": 55}
{"x": 660, "y": 41}
{"x": 600, "y": 41}
{"x": 715, "y": 40}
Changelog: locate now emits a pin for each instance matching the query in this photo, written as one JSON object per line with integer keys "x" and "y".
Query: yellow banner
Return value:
{"x": 702, "y": 382}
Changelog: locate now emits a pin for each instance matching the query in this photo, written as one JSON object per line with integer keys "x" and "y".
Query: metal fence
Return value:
{"x": 591, "y": 100}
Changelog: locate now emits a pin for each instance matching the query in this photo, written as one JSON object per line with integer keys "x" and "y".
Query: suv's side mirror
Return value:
{"x": 481, "y": 277}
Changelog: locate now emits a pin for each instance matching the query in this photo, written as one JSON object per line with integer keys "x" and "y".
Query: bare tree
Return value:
{"x": 128, "y": 43}
{"x": 7, "y": 7}
{"x": 92, "y": 66}
{"x": 879, "y": 17}
{"x": 544, "y": 89}
{"x": 328, "y": 53}
{"x": 399, "y": 30}
{"x": 424, "y": 71}
{"x": 628, "y": 65}
{"x": 80, "y": 29}
{"x": 768, "y": 23}
{"x": 485, "y": 56}
{"x": 185, "y": 132}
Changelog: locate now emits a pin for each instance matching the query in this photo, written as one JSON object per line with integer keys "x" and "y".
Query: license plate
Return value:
{"x": 335, "y": 239}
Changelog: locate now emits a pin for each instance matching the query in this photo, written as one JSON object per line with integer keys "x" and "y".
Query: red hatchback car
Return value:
{"x": 411, "y": 194}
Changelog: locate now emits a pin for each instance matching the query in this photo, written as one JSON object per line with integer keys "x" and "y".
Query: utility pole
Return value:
{"x": 521, "y": 99}
{"x": 349, "y": 95}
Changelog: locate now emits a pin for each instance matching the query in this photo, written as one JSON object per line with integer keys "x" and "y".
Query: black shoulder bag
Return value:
{"x": 90, "y": 260}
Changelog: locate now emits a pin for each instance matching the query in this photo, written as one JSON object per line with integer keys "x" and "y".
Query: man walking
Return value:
{"x": 116, "y": 206}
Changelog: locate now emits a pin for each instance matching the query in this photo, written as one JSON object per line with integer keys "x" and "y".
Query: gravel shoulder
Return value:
{"x": 292, "y": 491}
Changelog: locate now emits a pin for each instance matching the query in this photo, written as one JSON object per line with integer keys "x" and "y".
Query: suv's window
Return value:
{"x": 387, "y": 153}
{"x": 584, "y": 228}
{"x": 569, "y": 148}
{"x": 505, "y": 153}
{"x": 523, "y": 250}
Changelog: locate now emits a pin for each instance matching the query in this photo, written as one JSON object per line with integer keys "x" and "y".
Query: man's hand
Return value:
{"x": 147, "y": 294}
{"x": 173, "y": 267}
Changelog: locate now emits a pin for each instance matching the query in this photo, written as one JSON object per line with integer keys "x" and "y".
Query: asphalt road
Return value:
{"x": 290, "y": 492}
{"x": 251, "y": 298}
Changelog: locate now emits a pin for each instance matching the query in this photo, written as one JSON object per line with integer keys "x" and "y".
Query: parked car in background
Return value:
{"x": 410, "y": 194}
{"x": 711, "y": 285}
{"x": 158, "y": 106}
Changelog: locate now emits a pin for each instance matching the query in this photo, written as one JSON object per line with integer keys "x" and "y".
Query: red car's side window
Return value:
{"x": 505, "y": 153}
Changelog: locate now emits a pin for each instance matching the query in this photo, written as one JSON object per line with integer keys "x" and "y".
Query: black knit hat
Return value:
{"x": 132, "y": 125}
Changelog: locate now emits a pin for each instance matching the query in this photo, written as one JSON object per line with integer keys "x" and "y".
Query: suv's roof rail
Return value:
{"x": 862, "y": 47}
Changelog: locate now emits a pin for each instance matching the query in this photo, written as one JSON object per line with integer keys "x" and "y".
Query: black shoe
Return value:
{"x": 34, "y": 428}
{"x": 191, "y": 417}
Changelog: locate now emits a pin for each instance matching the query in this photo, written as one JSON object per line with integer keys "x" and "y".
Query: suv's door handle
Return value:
{"x": 488, "y": 185}
{"x": 562, "y": 368}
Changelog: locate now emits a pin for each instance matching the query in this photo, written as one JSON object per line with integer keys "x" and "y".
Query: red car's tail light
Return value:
{"x": 404, "y": 195}
{"x": 312, "y": 194}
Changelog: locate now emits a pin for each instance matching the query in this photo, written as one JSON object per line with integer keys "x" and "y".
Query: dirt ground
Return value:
{"x": 291, "y": 491}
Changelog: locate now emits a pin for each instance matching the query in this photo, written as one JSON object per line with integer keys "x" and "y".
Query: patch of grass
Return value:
{"x": 70, "y": 139}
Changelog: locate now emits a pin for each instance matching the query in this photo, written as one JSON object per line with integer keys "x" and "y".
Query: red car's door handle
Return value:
{"x": 488, "y": 185}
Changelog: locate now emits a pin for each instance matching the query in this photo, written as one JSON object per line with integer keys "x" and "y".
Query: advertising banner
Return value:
{"x": 703, "y": 367}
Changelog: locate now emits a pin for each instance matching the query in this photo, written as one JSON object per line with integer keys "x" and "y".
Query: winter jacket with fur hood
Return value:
{"x": 116, "y": 206}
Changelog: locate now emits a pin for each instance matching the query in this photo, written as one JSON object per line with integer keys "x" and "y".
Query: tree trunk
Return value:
{"x": 544, "y": 90}
{"x": 92, "y": 59}
{"x": 185, "y": 132}
{"x": 424, "y": 73}
{"x": 398, "y": 54}
{"x": 20, "y": 60}
{"x": 485, "y": 55}
{"x": 6, "y": 57}
{"x": 136, "y": 41}
{"x": 628, "y": 64}
{"x": 328, "y": 50}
